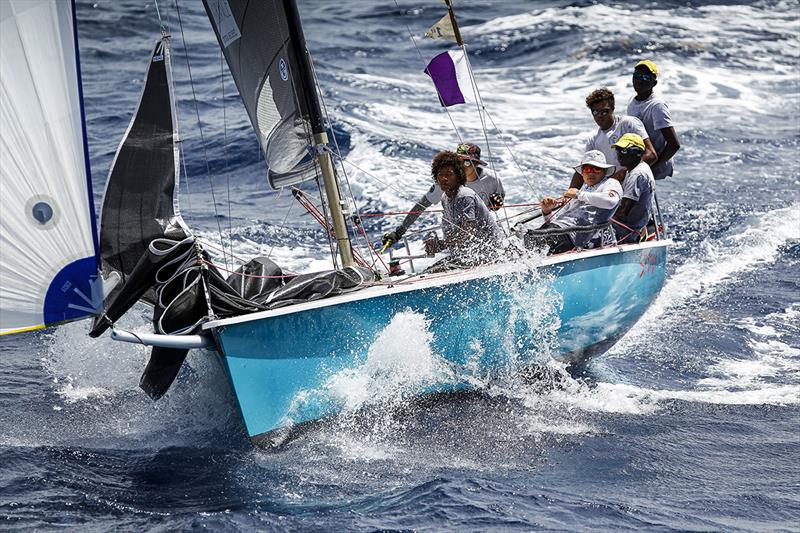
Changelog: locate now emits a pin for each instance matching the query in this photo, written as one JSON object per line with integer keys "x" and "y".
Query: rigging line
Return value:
{"x": 160, "y": 22}
{"x": 479, "y": 99}
{"x": 179, "y": 142}
{"x": 225, "y": 145}
{"x": 200, "y": 128}
{"x": 510, "y": 151}
{"x": 306, "y": 128}
{"x": 338, "y": 150}
{"x": 324, "y": 212}
{"x": 186, "y": 174}
{"x": 283, "y": 224}
{"x": 479, "y": 105}
{"x": 421, "y": 58}
{"x": 400, "y": 192}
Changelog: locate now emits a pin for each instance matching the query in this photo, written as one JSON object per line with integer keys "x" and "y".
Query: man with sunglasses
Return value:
{"x": 610, "y": 128}
{"x": 654, "y": 113}
{"x": 638, "y": 189}
{"x": 484, "y": 183}
{"x": 593, "y": 204}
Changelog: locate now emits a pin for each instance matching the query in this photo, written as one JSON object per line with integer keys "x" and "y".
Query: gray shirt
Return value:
{"x": 654, "y": 114}
{"x": 640, "y": 187}
{"x": 467, "y": 206}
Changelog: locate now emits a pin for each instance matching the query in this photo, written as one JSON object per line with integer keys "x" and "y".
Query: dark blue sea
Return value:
{"x": 691, "y": 422}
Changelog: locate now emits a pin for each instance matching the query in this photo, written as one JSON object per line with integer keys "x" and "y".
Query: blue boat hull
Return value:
{"x": 277, "y": 360}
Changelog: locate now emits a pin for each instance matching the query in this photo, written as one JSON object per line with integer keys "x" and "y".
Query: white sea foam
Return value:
{"x": 96, "y": 382}
{"x": 400, "y": 363}
{"x": 755, "y": 242}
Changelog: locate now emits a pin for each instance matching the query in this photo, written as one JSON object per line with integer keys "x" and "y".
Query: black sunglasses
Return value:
{"x": 601, "y": 112}
{"x": 641, "y": 76}
{"x": 630, "y": 150}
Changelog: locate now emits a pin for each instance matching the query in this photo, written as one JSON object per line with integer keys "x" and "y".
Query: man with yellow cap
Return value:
{"x": 654, "y": 113}
{"x": 638, "y": 189}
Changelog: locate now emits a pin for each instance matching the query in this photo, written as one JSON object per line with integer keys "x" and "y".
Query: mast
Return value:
{"x": 320, "y": 137}
{"x": 456, "y": 31}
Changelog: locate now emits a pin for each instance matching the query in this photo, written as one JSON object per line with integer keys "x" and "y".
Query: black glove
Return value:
{"x": 495, "y": 201}
{"x": 390, "y": 238}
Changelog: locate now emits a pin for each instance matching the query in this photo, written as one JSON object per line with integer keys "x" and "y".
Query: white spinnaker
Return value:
{"x": 43, "y": 171}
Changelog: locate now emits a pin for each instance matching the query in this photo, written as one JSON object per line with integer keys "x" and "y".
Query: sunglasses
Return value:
{"x": 631, "y": 150}
{"x": 601, "y": 112}
{"x": 640, "y": 76}
{"x": 589, "y": 169}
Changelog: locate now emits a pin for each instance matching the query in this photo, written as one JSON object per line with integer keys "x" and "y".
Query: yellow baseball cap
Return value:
{"x": 629, "y": 140}
{"x": 649, "y": 65}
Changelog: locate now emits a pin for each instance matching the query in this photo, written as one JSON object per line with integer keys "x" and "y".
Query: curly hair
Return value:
{"x": 445, "y": 158}
{"x": 599, "y": 95}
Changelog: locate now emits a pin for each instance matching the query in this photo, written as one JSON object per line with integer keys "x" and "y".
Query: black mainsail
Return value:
{"x": 265, "y": 67}
{"x": 265, "y": 47}
{"x": 139, "y": 203}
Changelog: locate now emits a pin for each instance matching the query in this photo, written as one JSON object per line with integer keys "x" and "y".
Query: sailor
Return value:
{"x": 654, "y": 114}
{"x": 470, "y": 231}
{"x": 610, "y": 128}
{"x": 593, "y": 204}
{"x": 638, "y": 189}
{"x": 486, "y": 185}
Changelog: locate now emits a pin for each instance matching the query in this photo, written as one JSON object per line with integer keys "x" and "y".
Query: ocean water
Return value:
{"x": 690, "y": 422}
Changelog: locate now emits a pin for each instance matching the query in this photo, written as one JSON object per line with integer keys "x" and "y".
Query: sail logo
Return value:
{"x": 227, "y": 28}
{"x": 43, "y": 212}
{"x": 284, "y": 70}
{"x": 158, "y": 58}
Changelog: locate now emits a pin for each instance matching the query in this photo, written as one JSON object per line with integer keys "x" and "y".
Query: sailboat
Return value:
{"x": 280, "y": 336}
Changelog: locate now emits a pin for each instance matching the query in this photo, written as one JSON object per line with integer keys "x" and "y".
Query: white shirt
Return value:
{"x": 604, "y": 139}
{"x": 593, "y": 205}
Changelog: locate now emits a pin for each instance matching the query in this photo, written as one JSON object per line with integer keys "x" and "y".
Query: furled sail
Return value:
{"x": 48, "y": 249}
{"x": 255, "y": 38}
{"x": 139, "y": 203}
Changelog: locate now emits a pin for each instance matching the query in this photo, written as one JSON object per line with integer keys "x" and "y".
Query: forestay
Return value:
{"x": 265, "y": 69}
{"x": 48, "y": 249}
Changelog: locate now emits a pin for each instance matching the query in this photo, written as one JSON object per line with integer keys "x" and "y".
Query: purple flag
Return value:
{"x": 450, "y": 75}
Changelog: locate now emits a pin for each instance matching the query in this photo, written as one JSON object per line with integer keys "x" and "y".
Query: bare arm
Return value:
{"x": 625, "y": 207}
{"x": 672, "y": 147}
{"x": 650, "y": 155}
